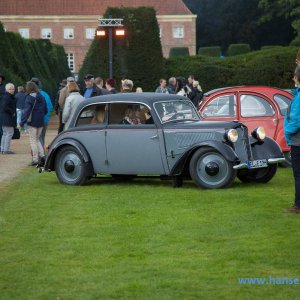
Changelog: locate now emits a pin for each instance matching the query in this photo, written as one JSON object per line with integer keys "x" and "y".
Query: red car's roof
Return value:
{"x": 255, "y": 88}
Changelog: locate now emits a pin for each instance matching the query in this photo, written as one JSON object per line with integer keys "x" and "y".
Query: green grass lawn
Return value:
{"x": 146, "y": 240}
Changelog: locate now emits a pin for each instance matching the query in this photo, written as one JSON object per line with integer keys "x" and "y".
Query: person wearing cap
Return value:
{"x": 127, "y": 86}
{"x": 63, "y": 94}
{"x": 110, "y": 86}
{"x": 91, "y": 89}
{"x": 49, "y": 109}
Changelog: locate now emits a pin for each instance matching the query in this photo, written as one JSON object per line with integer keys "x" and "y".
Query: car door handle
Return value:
{"x": 275, "y": 120}
{"x": 154, "y": 137}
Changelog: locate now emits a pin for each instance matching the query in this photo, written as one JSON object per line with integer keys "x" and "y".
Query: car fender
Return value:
{"x": 221, "y": 147}
{"x": 50, "y": 159}
{"x": 268, "y": 148}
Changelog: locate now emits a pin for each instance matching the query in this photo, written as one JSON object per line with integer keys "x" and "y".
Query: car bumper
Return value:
{"x": 271, "y": 161}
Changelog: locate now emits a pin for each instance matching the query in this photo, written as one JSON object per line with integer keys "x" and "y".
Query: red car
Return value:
{"x": 252, "y": 105}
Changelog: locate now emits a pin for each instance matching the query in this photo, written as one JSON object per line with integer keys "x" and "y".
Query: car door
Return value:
{"x": 90, "y": 132}
{"x": 132, "y": 148}
{"x": 256, "y": 110}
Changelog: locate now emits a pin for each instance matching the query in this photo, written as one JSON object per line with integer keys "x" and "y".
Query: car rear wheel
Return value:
{"x": 209, "y": 169}
{"x": 262, "y": 175}
{"x": 70, "y": 167}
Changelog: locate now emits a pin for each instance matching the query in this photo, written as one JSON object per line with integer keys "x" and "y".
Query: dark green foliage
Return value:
{"x": 237, "y": 49}
{"x": 239, "y": 21}
{"x": 179, "y": 51}
{"x": 273, "y": 67}
{"x": 138, "y": 56}
{"x": 21, "y": 59}
{"x": 210, "y": 51}
{"x": 270, "y": 47}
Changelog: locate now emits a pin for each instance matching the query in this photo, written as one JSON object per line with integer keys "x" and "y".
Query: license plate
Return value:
{"x": 259, "y": 163}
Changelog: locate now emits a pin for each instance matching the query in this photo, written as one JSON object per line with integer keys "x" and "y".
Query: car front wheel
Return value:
{"x": 209, "y": 169}
{"x": 70, "y": 167}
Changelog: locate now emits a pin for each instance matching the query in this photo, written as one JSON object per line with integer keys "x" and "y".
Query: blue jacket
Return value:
{"x": 292, "y": 121}
{"x": 38, "y": 112}
{"x": 49, "y": 106}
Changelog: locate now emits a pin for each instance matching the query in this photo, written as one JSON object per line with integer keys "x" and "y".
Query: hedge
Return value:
{"x": 273, "y": 67}
{"x": 21, "y": 59}
{"x": 237, "y": 49}
{"x": 179, "y": 51}
{"x": 210, "y": 51}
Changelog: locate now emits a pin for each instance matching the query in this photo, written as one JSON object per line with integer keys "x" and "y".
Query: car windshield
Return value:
{"x": 176, "y": 110}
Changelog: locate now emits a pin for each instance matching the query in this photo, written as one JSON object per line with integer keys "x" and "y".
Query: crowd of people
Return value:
{"x": 29, "y": 108}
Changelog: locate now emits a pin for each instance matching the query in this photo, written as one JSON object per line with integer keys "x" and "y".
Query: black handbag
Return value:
{"x": 16, "y": 135}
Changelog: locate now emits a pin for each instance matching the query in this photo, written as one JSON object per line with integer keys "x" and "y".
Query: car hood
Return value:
{"x": 203, "y": 125}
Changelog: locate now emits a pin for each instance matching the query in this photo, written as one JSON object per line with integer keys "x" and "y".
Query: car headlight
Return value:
{"x": 259, "y": 133}
{"x": 232, "y": 135}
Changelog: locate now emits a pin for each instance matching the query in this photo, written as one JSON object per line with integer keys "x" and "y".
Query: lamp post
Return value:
{"x": 110, "y": 24}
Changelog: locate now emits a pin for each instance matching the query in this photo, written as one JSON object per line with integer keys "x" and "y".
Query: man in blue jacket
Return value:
{"x": 49, "y": 108}
{"x": 292, "y": 136}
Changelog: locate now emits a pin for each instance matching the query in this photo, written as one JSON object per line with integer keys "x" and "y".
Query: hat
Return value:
{"x": 70, "y": 79}
{"x": 35, "y": 80}
{"x": 88, "y": 77}
{"x": 2, "y": 76}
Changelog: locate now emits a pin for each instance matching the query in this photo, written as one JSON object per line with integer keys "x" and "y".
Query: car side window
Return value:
{"x": 283, "y": 103}
{"x": 220, "y": 107}
{"x": 129, "y": 114}
{"x": 92, "y": 115}
{"x": 255, "y": 106}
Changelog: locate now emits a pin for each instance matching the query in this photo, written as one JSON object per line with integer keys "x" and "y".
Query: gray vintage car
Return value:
{"x": 126, "y": 135}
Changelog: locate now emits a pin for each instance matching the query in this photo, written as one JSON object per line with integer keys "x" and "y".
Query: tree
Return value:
{"x": 289, "y": 9}
{"x": 220, "y": 23}
{"x": 138, "y": 56}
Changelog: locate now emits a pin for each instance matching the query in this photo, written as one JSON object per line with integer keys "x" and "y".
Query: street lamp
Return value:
{"x": 101, "y": 32}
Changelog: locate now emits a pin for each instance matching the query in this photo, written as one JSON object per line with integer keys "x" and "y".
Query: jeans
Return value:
{"x": 8, "y": 132}
{"x": 35, "y": 144}
{"x": 19, "y": 117}
{"x": 295, "y": 157}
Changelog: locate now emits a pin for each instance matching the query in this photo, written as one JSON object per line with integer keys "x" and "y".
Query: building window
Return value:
{"x": 68, "y": 33}
{"x": 178, "y": 32}
{"x": 70, "y": 59}
{"x": 24, "y": 32}
{"x": 90, "y": 33}
{"x": 46, "y": 33}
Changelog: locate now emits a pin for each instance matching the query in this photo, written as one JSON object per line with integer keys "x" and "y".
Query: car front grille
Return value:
{"x": 242, "y": 146}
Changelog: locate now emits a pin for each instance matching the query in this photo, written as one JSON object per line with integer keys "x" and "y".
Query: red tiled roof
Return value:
{"x": 87, "y": 7}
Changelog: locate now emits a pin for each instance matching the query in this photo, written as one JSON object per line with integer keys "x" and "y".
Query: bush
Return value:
{"x": 179, "y": 51}
{"x": 210, "y": 51}
{"x": 237, "y": 49}
{"x": 270, "y": 47}
{"x": 273, "y": 67}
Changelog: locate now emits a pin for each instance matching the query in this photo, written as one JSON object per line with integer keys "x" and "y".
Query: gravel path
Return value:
{"x": 11, "y": 165}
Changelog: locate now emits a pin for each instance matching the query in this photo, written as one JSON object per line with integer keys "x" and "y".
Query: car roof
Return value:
{"x": 147, "y": 98}
{"x": 253, "y": 88}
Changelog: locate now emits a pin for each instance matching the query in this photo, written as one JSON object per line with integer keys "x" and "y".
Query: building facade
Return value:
{"x": 73, "y": 23}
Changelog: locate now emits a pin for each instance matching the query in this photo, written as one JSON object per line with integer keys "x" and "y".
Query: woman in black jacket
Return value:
{"x": 8, "y": 117}
{"x": 34, "y": 112}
